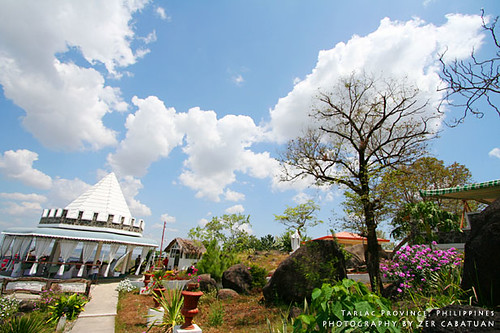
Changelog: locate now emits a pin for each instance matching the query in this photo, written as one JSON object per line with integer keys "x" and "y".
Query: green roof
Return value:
{"x": 486, "y": 192}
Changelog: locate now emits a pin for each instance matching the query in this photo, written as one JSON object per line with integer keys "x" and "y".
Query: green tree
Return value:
{"x": 364, "y": 126}
{"x": 300, "y": 217}
{"x": 267, "y": 243}
{"x": 418, "y": 223}
{"x": 230, "y": 231}
{"x": 401, "y": 186}
{"x": 215, "y": 260}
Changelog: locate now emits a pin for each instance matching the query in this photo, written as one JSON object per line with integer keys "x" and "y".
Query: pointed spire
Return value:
{"x": 104, "y": 197}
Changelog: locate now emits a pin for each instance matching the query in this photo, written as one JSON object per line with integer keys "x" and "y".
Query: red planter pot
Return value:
{"x": 190, "y": 308}
{"x": 158, "y": 292}
{"x": 147, "y": 278}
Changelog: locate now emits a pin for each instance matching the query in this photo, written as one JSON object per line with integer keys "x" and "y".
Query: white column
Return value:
{"x": 130, "y": 250}
{"x": 87, "y": 250}
{"x": 41, "y": 245}
{"x": 67, "y": 248}
{"x": 113, "y": 248}
{"x": 144, "y": 253}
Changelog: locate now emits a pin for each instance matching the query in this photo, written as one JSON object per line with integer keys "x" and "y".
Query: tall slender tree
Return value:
{"x": 362, "y": 126}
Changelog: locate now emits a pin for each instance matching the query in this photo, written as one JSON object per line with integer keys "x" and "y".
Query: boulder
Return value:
{"x": 206, "y": 282}
{"x": 26, "y": 306}
{"x": 358, "y": 256}
{"x": 461, "y": 318}
{"x": 227, "y": 294}
{"x": 314, "y": 263}
{"x": 238, "y": 278}
{"x": 480, "y": 266}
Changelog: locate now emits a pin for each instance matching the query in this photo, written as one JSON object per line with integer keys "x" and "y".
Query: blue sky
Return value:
{"x": 190, "y": 102}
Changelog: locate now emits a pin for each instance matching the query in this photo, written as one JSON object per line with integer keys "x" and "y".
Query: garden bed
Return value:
{"x": 243, "y": 314}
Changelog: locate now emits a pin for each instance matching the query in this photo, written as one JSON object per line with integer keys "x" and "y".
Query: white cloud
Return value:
{"x": 217, "y": 149}
{"x": 202, "y": 222}
{"x": 236, "y": 209}
{"x": 395, "y": 49}
{"x": 230, "y": 195}
{"x": 160, "y": 11}
{"x": 247, "y": 228}
{"x": 167, "y": 218}
{"x": 65, "y": 103}
{"x": 64, "y": 191}
{"x": 21, "y": 204}
{"x": 24, "y": 197}
{"x": 151, "y": 134}
{"x": 238, "y": 79}
{"x": 18, "y": 165}
{"x": 495, "y": 152}
{"x": 301, "y": 198}
{"x": 130, "y": 187}
{"x": 150, "y": 38}
{"x": 24, "y": 208}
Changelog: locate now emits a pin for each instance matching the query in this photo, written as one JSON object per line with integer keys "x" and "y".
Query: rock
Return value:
{"x": 227, "y": 294}
{"x": 481, "y": 264}
{"x": 313, "y": 264}
{"x": 238, "y": 278}
{"x": 294, "y": 312}
{"x": 357, "y": 258}
{"x": 206, "y": 282}
{"x": 358, "y": 251}
{"x": 26, "y": 306}
{"x": 461, "y": 318}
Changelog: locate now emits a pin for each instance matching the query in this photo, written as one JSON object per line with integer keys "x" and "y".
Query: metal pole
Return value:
{"x": 161, "y": 246}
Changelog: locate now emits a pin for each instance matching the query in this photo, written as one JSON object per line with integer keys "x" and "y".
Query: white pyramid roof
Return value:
{"x": 104, "y": 197}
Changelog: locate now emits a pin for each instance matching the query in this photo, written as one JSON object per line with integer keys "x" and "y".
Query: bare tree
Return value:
{"x": 364, "y": 125}
{"x": 472, "y": 80}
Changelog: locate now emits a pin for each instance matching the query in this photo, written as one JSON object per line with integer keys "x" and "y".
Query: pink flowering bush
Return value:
{"x": 414, "y": 265}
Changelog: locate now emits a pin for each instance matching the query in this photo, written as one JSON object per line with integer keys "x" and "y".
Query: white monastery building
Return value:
{"x": 95, "y": 228}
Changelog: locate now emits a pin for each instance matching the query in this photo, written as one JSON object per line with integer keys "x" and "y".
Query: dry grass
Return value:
{"x": 131, "y": 312}
{"x": 244, "y": 314}
{"x": 269, "y": 260}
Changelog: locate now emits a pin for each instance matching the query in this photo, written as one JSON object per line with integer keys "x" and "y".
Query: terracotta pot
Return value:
{"x": 158, "y": 292}
{"x": 147, "y": 279}
{"x": 190, "y": 308}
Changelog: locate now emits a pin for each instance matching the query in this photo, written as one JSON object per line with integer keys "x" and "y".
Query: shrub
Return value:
{"x": 8, "y": 306}
{"x": 216, "y": 315}
{"x": 172, "y": 306}
{"x": 215, "y": 261}
{"x": 414, "y": 265}
{"x": 71, "y": 306}
{"x": 350, "y": 306}
{"x": 258, "y": 276}
{"x": 125, "y": 286}
{"x": 284, "y": 242}
{"x": 25, "y": 324}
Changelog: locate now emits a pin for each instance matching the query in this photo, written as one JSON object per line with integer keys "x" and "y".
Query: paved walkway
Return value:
{"x": 100, "y": 312}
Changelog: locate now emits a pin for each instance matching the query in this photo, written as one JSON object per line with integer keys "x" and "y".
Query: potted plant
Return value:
{"x": 190, "y": 308}
{"x": 147, "y": 278}
{"x": 157, "y": 286}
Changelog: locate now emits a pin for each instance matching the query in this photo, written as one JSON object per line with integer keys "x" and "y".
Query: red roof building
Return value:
{"x": 349, "y": 238}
